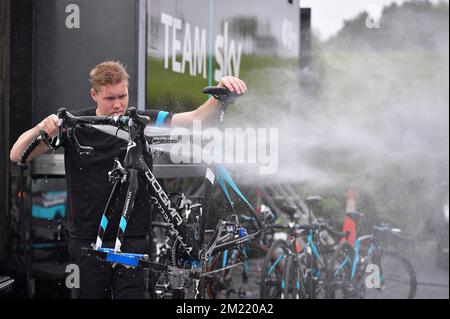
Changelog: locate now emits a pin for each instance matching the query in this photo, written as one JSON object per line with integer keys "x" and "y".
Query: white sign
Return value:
{"x": 185, "y": 49}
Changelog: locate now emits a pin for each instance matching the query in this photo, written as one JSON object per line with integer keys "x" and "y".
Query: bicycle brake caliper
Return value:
{"x": 118, "y": 173}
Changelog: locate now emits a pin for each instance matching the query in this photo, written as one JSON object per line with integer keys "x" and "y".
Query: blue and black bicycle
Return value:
{"x": 367, "y": 269}
{"x": 297, "y": 267}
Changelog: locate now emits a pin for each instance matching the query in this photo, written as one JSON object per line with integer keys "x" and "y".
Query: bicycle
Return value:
{"x": 190, "y": 250}
{"x": 372, "y": 273}
{"x": 296, "y": 268}
{"x": 238, "y": 281}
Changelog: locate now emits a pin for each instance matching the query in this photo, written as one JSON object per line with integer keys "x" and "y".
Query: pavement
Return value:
{"x": 433, "y": 281}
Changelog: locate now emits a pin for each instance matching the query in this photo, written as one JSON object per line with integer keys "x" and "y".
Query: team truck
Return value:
{"x": 171, "y": 48}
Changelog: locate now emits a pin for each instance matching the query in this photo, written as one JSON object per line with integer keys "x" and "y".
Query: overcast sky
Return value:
{"x": 328, "y": 15}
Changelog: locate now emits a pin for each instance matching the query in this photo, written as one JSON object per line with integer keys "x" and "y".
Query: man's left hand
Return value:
{"x": 233, "y": 84}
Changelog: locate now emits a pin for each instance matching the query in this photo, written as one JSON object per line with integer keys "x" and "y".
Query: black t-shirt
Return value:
{"x": 88, "y": 188}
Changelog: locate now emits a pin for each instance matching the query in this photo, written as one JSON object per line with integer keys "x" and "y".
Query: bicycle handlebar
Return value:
{"x": 68, "y": 123}
{"x": 386, "y": 229}
{"x": 70, "y": 120}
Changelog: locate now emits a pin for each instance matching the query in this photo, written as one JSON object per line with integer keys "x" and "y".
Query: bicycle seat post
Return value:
{"x": 312, "y": 202}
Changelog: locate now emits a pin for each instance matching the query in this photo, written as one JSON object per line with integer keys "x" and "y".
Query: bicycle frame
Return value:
{"x": 137, "y": 161}
{"x": 360, "y": 263}
{"x": 135, "y": 164}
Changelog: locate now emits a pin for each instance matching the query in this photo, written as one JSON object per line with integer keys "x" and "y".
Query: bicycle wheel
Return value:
{"x": 397, "y": 278}
{"x": 213, "y": 282}
{"x": 338, "y": 282}
{"x": 273, "y": 270}
{"x": 222, "y": 285}
{"x": 293, "y": 279}
{"x": 313, "y": 276}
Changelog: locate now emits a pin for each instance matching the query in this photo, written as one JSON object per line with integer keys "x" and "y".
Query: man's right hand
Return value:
{"x": 49, "y": 125}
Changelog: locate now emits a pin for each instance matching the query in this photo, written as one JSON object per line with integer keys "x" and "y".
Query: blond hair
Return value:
{"x": 108, "y": 73}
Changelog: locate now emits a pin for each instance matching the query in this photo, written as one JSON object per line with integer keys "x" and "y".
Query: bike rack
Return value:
{"x": 139, "y": 261}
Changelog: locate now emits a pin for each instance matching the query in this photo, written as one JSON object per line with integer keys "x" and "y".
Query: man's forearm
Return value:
{"x": 22, "y": 143}
{"x": 207, "y": 113}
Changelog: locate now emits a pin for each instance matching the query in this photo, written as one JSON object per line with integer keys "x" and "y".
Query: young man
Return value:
{"x": 87, "y": 182}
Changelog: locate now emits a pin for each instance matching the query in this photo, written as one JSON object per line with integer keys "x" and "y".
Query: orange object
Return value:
{"x": 350, "y": 220}
{"x": 298, "y": 246}
{"x": 349, "y": 226}
{"x": 258, "y": 201}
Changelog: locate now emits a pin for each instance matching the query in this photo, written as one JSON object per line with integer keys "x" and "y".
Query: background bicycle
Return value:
{"x": 368, "y": 268}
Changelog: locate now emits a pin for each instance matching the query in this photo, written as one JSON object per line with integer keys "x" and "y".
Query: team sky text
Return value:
{"x": 185, "y": 49}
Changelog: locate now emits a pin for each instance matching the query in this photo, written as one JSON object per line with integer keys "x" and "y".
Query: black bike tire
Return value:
{"x": 343, "y": 249}
{"x": 268, "y": 258}
{"x": 408, "y": 269}
{"x": 211, "y": 293}
{"x": 290, "y": 291}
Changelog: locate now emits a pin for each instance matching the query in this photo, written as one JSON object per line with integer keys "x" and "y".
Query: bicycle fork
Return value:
{"x": 118, "y": 176}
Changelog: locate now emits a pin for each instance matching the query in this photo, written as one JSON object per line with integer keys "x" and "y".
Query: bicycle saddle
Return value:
{"x": 289, "y": 210}
{"x": 216, "y": 91}
{"x": 313, "y": 200}
{"x": 285, "y": 208}
{"x": 220, "y": 93}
